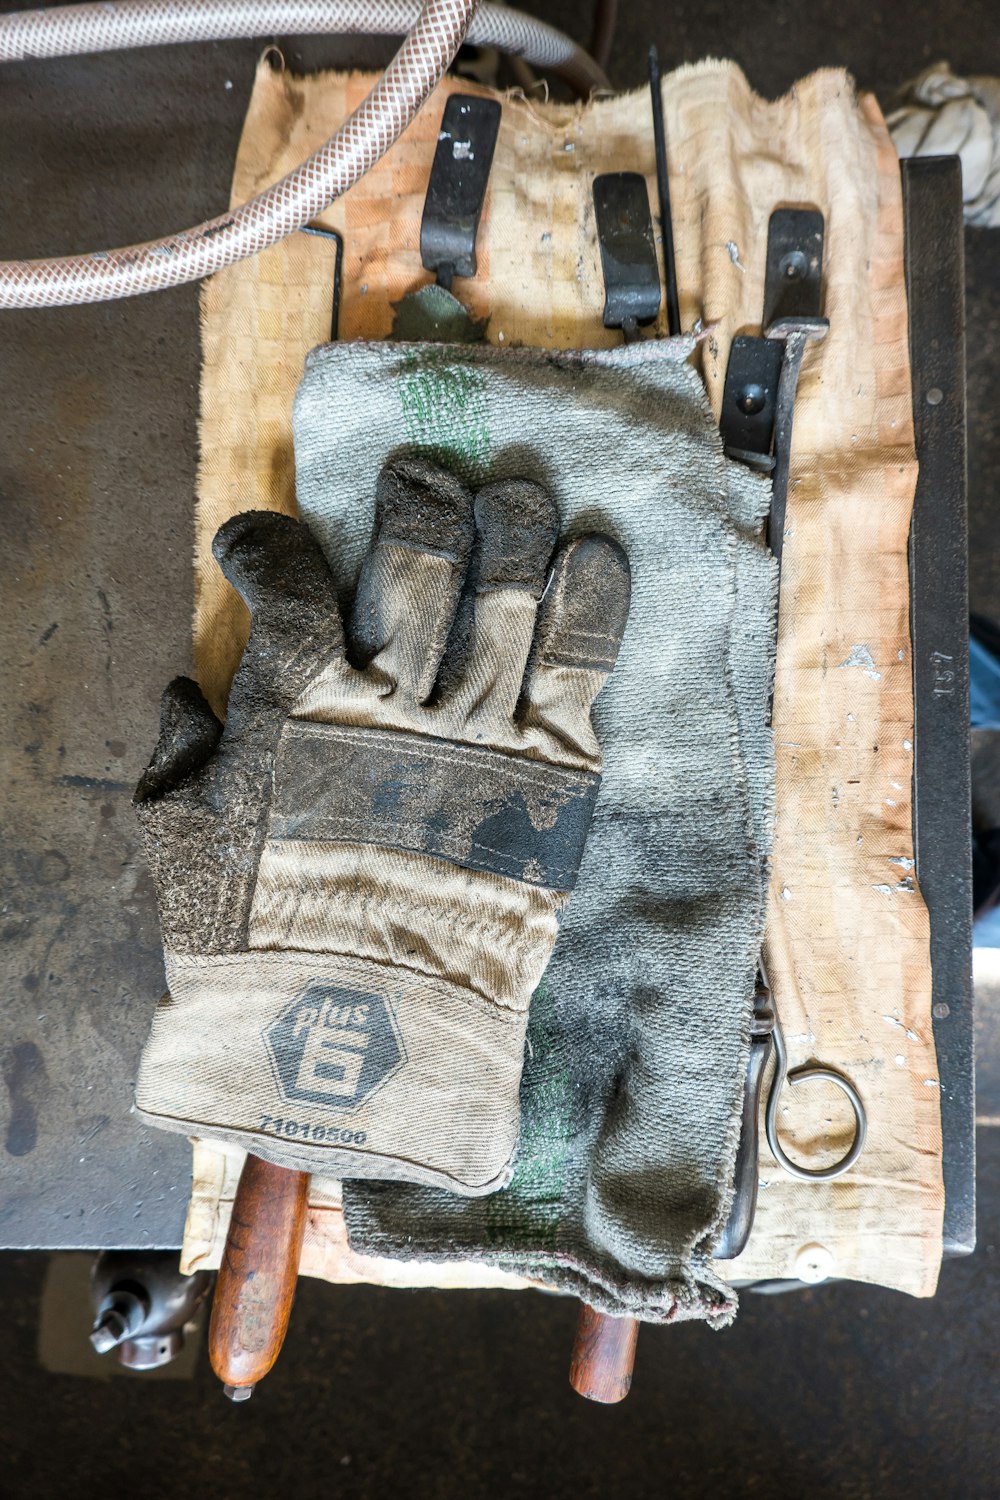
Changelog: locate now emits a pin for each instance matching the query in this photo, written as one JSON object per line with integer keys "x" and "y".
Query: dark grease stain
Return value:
{"x": 48, "y": 634}
{"x": 107, "y": 809}
{"x": 51, "y": 867}
{"x": 117, "y": 748}
{"x": 385, "y": 797}
{"x": 211, "y": 230}
{"x": 27, "y": 1083}
{"x": 94, "y": 783}
{"x": 509, "y": 843}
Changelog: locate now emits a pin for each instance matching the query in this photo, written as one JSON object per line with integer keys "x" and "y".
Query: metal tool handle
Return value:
{"x": 258, "y": 1275}
{"x": 603, "y": 1356}
{"x": 746, "y": 1172}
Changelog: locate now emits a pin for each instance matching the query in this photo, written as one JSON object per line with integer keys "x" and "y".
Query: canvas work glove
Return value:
{"x": 360, "y": 876}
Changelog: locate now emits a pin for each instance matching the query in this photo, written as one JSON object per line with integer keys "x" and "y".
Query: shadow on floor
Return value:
{"x": 840, "y": 1390}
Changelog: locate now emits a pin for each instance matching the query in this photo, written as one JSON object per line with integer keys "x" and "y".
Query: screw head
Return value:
{"x": 110, "y": 1331}
{"x": 751, "y": 399}
{"x": 238, "y": 1392}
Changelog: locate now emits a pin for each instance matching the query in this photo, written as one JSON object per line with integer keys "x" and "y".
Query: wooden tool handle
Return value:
{"x": 603, "y": 1356}
{"x": 257, "y": 1278}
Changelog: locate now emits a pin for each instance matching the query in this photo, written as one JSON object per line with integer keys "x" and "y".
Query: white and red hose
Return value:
{"x": 434, "y": 32}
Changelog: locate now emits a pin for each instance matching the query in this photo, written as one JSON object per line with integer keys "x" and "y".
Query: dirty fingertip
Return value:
{"x": 517, "y": 524}
{"x": 420, "y": 504}
{"x": 585, "y": 607}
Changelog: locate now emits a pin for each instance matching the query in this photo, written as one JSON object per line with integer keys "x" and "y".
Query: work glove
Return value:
{"x": 360, "y": 877}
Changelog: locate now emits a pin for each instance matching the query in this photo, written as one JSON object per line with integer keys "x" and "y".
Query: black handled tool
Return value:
{"x": 457, "y": 187}
{"x": 628, "y": 252}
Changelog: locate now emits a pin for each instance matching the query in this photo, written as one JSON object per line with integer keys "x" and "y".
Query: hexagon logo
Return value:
{"x": 334, "y": 1046}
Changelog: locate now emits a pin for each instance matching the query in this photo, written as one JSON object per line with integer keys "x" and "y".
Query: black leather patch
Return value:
{"x": 475, "y": 808}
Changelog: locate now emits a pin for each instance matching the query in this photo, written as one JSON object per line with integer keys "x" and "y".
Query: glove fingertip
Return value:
{"x": 277, "y": 567}
{"x": 517, "y": 523}
{"x": 419, "y": 504}
{"x": 189, "y": 733}
{"x": 247, "y": 540}
{"x": 585, "y": 607}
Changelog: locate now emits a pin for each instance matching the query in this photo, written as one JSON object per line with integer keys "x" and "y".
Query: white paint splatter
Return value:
{"x": 883, "y": 890}
{"x": 931, "y": 1083}
{"x": 786, "y": 894}
{"x": 462, "y": 151}
{"x": 860, "y": 656}
{"x": 907, "y": 745}
{"x": 734, "y": 255}
{"x": 903, "y": 861}
{"x": 900, "y": 1060}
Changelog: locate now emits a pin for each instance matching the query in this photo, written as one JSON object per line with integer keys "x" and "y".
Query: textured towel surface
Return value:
{"x": 631, "y": 1092}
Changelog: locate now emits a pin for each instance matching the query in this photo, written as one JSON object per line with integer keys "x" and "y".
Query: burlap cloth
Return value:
{"x": 847, "y": 945}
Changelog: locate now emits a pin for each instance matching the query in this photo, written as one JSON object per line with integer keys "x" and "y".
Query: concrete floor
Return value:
{"x": 836, "y": 1391}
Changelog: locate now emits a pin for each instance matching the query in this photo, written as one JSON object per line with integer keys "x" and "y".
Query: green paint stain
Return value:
{"x": 445, "y": 413}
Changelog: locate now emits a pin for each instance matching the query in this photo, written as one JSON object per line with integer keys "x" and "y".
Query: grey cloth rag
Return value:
{"x": 631, "y": 1093}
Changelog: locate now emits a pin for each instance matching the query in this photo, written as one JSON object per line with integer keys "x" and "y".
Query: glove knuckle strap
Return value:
{"x": 476, "y": 808}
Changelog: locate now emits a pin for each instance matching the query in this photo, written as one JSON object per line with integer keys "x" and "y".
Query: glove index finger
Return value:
{"x": 411, "y": 580}
{"x": 278, "y": 569}
{"x": 276, "y": 566}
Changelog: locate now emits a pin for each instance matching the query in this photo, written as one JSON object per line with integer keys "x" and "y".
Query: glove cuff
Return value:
{"x": 337, "y": 1065}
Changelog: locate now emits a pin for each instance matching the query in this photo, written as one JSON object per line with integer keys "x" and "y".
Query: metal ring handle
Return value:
{"x": 797, "y": 1076}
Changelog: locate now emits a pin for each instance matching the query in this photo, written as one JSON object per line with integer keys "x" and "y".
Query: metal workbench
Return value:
{"x": 96, "y": 480}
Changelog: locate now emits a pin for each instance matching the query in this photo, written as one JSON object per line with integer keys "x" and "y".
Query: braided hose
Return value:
{"x": 435, "y": 31}
{"x": 69, "y": 30}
